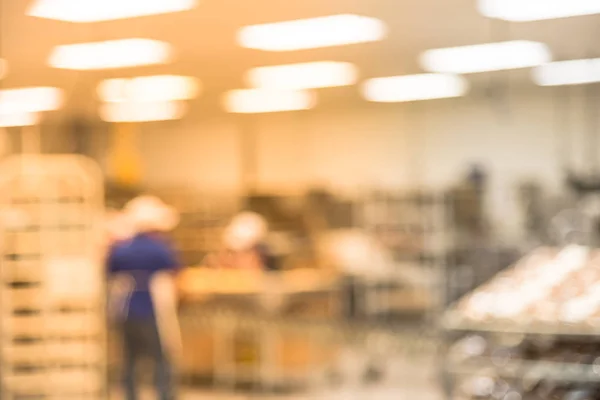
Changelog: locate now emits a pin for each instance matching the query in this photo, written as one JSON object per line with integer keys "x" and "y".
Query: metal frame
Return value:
{"x": 516, "y": 369}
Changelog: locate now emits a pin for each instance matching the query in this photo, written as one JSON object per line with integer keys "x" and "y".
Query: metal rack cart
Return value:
{"x": 547, "y": 352}
{"x": 52, "y": 295}
{"x": 415, "y": 228}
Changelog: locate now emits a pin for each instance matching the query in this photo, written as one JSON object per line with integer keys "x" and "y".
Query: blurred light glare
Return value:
{"x": 414, "y": 87}
{"x": 142, "y": 112}
{"x": 30, "y": 100}
{"x": 537, "y": 10}
{"x": 334, "y": 30}
{"x": 250, "y": 101}
{"x": 486, "y": 57}
{"x": 573, "y": 72}
{"x": 311, "y": 75}
{"x": 245, "y": 230}
{"x": 111, "y": 54}
{"x": 105, "y": 10}
{"x": 155, "y": 88}
{"x": 23, "y": 119}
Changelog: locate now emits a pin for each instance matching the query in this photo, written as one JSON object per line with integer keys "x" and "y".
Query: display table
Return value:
{"x": 240, "y": 345}
{"x": 233, "y": 328}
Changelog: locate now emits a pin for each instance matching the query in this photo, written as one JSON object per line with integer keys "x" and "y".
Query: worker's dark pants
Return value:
{"x": 141, "y": 339}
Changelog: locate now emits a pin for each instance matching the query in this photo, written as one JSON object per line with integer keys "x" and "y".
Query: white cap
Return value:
{"x": 149, "y": 213}
{"x": 119, "y": 226}
{"x": 245, "y": 230}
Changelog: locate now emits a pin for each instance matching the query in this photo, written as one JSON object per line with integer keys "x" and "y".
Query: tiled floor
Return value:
{"x": 380, "y": 393}
{"x": 412, "y": 382}
{"x": 406, "y": 378}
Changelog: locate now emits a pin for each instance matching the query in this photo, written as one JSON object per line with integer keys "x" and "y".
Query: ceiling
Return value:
{"x": 204, "y": 40}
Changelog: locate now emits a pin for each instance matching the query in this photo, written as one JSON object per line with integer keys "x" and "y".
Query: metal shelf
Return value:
{"x": 525, "y": 369}
{"x": 453, "y": 321}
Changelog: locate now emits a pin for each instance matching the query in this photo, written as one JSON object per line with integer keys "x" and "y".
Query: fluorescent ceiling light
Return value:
{"x": 24, "y": 119}
{"x": 486, "y": 57}
{"x": 252, "y": 101}
{"x": 537, "y": 10}
{"x": 148, "y": 89}
{"x": 334, "y": 30}
{"x": 303, "y": 76}
{"x": 574, "y": 72}
{"x": 30, "y": 100}
{"x": 414, "y": 87}
{"x": 105, "y": 10}
{"x": 110, "y": 54}
{"x": 142, "y": 112}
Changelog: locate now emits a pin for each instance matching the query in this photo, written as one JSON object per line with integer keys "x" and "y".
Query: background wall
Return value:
{"x": 427, "y": 143}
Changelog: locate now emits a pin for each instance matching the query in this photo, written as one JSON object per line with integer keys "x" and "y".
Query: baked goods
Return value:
{"x": 547, "y": 286}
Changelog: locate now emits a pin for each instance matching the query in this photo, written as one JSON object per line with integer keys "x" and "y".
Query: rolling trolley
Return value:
{"x": 52, "y": 331}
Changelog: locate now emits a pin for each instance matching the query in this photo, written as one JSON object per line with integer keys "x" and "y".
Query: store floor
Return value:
{"x": 376, "y": 393}
{"x": 406, "y": 379}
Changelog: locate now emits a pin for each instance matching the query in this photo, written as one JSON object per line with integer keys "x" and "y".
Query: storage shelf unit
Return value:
{"x": 560, "y": 364}
{"x": 203, "y": 219}
{"x": 517, "y": 369}
{"x": 52, "y": 335}
{"x": 415, "y": 227}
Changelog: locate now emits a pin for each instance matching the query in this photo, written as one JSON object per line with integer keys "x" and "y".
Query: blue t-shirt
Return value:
{"x": 140, "y": 258}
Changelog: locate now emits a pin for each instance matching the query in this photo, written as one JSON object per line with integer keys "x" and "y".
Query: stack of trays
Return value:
{"x": 52, "y": 325}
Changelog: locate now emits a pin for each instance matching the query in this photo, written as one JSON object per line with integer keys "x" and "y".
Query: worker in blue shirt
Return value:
{"x": 138, "y": 261}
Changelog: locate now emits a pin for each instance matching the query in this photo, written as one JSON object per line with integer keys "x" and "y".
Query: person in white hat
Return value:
{"x": 119, "y": 227}
{"x": 143, "y": 264}
{"x": 245, "y": 240}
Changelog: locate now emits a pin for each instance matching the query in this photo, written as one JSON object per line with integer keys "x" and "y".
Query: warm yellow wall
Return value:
{"x": 124, "y": 159}
{"x": 203, "y": 155}
{"x": 430, "y": 143}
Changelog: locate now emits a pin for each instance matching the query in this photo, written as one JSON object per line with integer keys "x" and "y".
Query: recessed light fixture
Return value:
{"x": 155, "y": 88}
{"x": 105, "y": 10}
{"x": 303, "y": 76}
{"x": 111, "y": 54}
{"x": 395, "y": 89}
{"x": 22, "y": 119}
{"x": 573, "y": 72}
{"x": 252, "y": 101}
{"x": 537, "y": 10}
{"x": 142, "y": 112}
{"x": 328, "y": 31}
{"x": 486, "y": 57}
{"x": 30, "y": 100}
